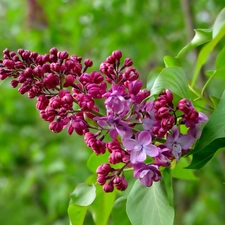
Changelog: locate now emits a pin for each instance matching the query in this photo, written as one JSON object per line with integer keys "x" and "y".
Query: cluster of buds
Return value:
{"x": 127, "y": 125}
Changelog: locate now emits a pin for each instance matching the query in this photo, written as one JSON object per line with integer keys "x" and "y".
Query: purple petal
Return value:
{"x": 151, "y": 150}
{"x": 133, "y": 157}
{"x": 124, "y": 131}
{"x": 113, "y": 133}
{"x": 146, "y": 179}
{"x": 129, "y": 143}
{"x": 186, "y": 141}
{"x": 140, "y": 156}
{"x": 144, "y": 138}
{"x": 176, "y": 132}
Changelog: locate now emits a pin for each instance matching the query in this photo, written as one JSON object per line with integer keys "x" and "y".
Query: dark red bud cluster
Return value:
{"x": 190, "y": 114}
{"x": 117, "y": 154}
{"x": 97, "y": 145}
{"x": 107, "y": 173}
{"x": 163, "y": 113}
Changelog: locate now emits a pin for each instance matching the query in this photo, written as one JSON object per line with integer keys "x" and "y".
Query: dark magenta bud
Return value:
{"x": 110, "y": 59}
{"x": 53, "y": 51}
{"x": 108, "y": 187}
{"x": 14, "y": 83}
{"x": 117, "y": 54}
{"x": 128, "y": 62}
{"x": 9, "y": 64}
{"x": 88, "y": 62}
{"x": 26, "y": 54}
{"x": 62, "y": 55}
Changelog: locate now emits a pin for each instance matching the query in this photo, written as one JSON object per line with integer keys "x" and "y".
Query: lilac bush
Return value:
{"x": 145, "y": 134}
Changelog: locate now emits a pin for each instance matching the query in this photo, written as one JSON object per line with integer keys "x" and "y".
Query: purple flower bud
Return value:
{"x": 110, "y": 59}
{"x": 88, "y": 63}
{"x": 184, "y": 105}
{"x": 69, "y": 81}
{"x": 117, "y": 54}
{"x": 28, "y": 72}
{"x": 14, "y": 83}
{"x": 46, "y": 68}
{"x": 63, "y": 55}
{"x": 104, "y": 168}
{"x": 101, "y": 179}
{"x": 55, "y": 103}
{"x": 42, "y": 102}
{"x": 26, "y": 54}
{"x": 55, "y": 67}
{"x": 33, "y": 55}
{"x": 120, "y": 183}
{"x": 163, "y": 112}
{"x": 116, "y": 157}
{"x": 24, "y": 88}
{"x": 108, "y": 187}
{"x": 45, "y": 58}
{"x": 51, "y": 80}
{"x": 128, "y": 62}
{"x": 53, "y": 51}
{"x": 38, "y": 71}
{"x": 96, "y": 77}
{"x": 130, "y": 74}
{"x": 9, "y": 64}
{"x": 6, "y": 51}
{"x": 56, "y": 126}
{"x": 168, "y": 95}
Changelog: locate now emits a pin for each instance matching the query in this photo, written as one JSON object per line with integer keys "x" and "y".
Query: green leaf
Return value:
{"x": 170, "y": 61}
{"x": 220, "y": 65}
{"x": 201, "y": 36}
{"x": 212, "y": 138}
{"x": 215, "y": 100}
{"x": 219, "y": 23}
{"x": 77, "y": 214}
{"x": 167, "y": 181}
{"x": 83, "y": 195}
{"x": 180, "y": 172}
{"x": 206, "y": 50}
{"x": 149, "y": 206}
{"x": 119, "y": 215}
{"x": 172, "y": 78}
{"x": 102, "y": 206}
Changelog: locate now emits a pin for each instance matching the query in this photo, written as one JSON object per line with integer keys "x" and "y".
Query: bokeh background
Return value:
{"x": 39, "y": 169}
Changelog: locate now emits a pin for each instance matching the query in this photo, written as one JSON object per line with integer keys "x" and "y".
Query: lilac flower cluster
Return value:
{"x": 139, "y": 134}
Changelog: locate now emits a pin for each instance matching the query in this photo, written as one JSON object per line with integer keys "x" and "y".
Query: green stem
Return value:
{"x": 206, "y": 84}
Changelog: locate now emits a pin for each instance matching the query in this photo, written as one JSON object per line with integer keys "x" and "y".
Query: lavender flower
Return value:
{"x": 140, "y": 147}
{"x": 178, "y": 142}
{"x": 147, "y": 173}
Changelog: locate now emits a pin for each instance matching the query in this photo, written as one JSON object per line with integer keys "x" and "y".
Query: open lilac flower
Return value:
{"x": 115, "y": 125}
{"x": 178, "y": 142}
{"x": 146, "y": 173}
{"x": 140, "y": 147}
{"x": 115, "y": 102}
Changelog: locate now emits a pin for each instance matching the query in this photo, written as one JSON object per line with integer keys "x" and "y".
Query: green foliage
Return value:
{"x": 212, "y": 139}
{"x": 151, "y": 204}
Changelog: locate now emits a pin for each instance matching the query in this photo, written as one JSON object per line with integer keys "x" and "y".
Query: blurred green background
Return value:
{"x": 39, "y": 169}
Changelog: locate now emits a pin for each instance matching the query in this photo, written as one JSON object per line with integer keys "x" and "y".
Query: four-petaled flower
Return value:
{"x": 178, "y": 142}
{"x": 147, "y": 173}
{"x": 140, "y": 147}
